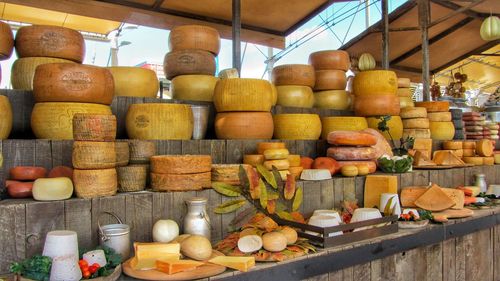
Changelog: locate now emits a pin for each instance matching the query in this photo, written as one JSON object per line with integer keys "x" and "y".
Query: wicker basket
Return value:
{"x": 94, "y": 127}
{"x": 132, "y": 178}
{"x": 122, "y": 153}
{"x": 141, "y": 151}
{"x": 95, "y": 183}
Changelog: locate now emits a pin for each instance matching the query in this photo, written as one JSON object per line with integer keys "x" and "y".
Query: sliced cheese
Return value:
{"x": 146, "y": 254}
{"x": 457, "y": 196}
{"x": 395, "y": 125}
{"x": 332, "y": 99}
{"x": 421, "y": 159}
{"x": 253, "y": 159}
{"x": 238, "y": 263}
{"x": 51, "y": 189}
{"x": 342, "y": 123}
{"x": 181, "y": 164}
{"x": 330, "y": 80}
{"x": 134, "y": 81}
{"x": 244, "y": 125}
{"x": 180, "y": 182}
{"x": 484, "y": 148}
{"x": 413, "y": 112}
{"x": 295, "y": 96}
{"x": 446, "y": 157}
{"x": 410, "y": 194}
{"x": 416, "y": 123}
{"x": 459, "y": 153}
{"x": 293, "y": 74}
{"x": 434, "y": 199}
{"x": 243, "y": 94}
{"x": 417, "y": 133}
{"x": 434, "y": 106}
{"x": 297, "y": 126}
{"x": 172, "y": 266}
{"x": 375, "y": 185}
{"x": 276, "y": 153}
{"x": 442, "y": 130}
{"x": 375, "y": 82}
{"x": 315, "y": 174}
{"x": 376, "y": 106}
{"x": 193, "y": 87}
{"x": 439, "y": 116}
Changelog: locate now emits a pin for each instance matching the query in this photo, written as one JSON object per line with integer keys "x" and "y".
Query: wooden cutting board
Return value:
{"x": 204, "y": 271}
{"x": 443, "y": 216}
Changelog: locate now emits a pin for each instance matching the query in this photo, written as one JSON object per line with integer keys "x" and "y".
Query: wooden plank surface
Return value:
{"x": 42, "y": 217}
{"x": 22, "y": 103}
{"x": 112, "y": 204}
{"x": 138, "y": 216}
{"x": 13, "y": 233}
{"x": 78, "y": 217}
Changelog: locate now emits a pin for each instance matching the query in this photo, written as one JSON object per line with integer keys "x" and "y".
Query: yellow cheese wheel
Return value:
{"x": 93, "y": 155}
{"x": 180, "y": 182}
{"x": 416, "y": 123}
{"x": 184, "y": 62}
{"x": 332, "y": 99}
{"x": 50, "y": 41}
{"x": 442, "y": 130}
{"x": 474, "y": 160}
{"x": 95, "y": 183}
{"x": 439, "y": 116}
{"x": 297, "y": 126}
{"x": 263, "y": 146}
{"x": 23, "y": 71}
{"x": 181, "y": 164}
{"x": 281, "y": 164}
{"x": 452, "y": 145}
{"x": 276, "y": 154}
{"x": 274, "y": 94}
{"x": 403, "y": 82}
{"x": 330, "y": 60}
{"x": 295, "y": 96}
{"x": 413, "y": 112}
{"x": 434, "y": 106}
{"x": 342, "y": 123}
{"x": 294, "y": 160}
{"x": 71, "y": 82}
{"x": 489, "y": 161}
{"x": 94, "y": 127}
{"x": 395, "y": 125}
{"x": 135, "y": 82}
{"x": 406, "y": 102}
{"x": 469, "y": 144}
{"x": 484, "y": 148}
{"x": 293, "y": 74}
{"x": 54, "y": 120}
{"x": 496, "y": 157}
{"x": 253, "y": 159}
{"x": 198, "y": 37}
{"x": 193, "y": 87}
{"x": 5, "y": 117}
{"x": 376, "y": 105}
{"x": 6, "y": 41}
{"x": 404, "y": 92}
{"x": 417, "y": 133}
{"x": 375, "y": 83}
{"x": 244, "y": 125}
{"x": 468, "y": 152}
{"x": 52, "y": 189}
{"x": 459, "y": 153}
{"x": 132, "y": 178}
{"x": 159, "y": 121}
{"x": 330, "y": 80}
{"x": 243, "y": 94}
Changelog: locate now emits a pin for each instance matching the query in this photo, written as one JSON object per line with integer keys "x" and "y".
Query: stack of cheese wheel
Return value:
{"x": 41, "y": 44}
{"x": 330, "y": 86}
{"x": 353, "y": 148}
{"x": 20, "y": 182}
{"x": 492, "y": 132}
{"x": 474, "y": 125}
{"x": 63, "y": 89}
{"x": 294, "y": 84}
{"x": 134, "y": 81}
{"x": 141, "y": 152}
{"x": 94, "y": 155}
{"x": 243, "y": 107}
{"x": 439, "y": 119}
{"x": 275, "y": 154}
{"x": 424, "y": 146}
{"x": 376, "y": 95}
{"x": 278, "y": 158}
{"x": 415, "y": 122}
{"x": 341, "y": 123}
{"x": 458, "y": 123}
{"x": 483, "y": 152}
{"x": 404, "y": 93}
{"x": 297, "y": 126}
{"x": 6, "y": 43}
{"x": 190, "y": 64}
{"x": 180, "y": 172}
{"x": 455, "y": 146}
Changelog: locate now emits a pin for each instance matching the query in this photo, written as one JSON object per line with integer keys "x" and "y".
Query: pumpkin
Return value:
{"x": 196, "y": 247}
{"x": 274, "y": 241}
{"x": 165, "y": 231}
{"x": 366, "y": 62}
{"x": 490, "y": 28}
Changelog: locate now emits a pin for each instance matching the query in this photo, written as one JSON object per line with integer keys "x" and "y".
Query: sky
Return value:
{"x": 150, "y": 44}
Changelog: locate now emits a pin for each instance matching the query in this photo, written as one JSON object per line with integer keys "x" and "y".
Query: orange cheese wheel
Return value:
{"x": 193, "y": 87}
{"x": 474, "y": 160}
{"x": 330, "y": 80}
{"x": 50, "y": 41}
{"x": 295, "y": 96}
{"x": 434, "y": 106}
{"x": 94, "y": 127}
{"x": 134, "y": 81}
{"x": 5, "y": 117}
{"x": 95, "y": 183}
{"x": 243, "y": 94}
{"x": 469, "y": 144}
{"x": 281, "y": 164}
{"x": 253, "y": 159}
{"x": 352, "y": 153}
{"x": 406, "y": 102}
{"x": 330, "y": 60}
{"x": 439, "y": 116}
{"x": 263, "y": 146}
{"x": 180, "y": 182}
{"x": 484, "y": 148}
{"x": 297, "y": 126}
{"x": 404, "y": 92}
{"x": 244, "y": 125}
{"x": 184, "y": 62}
{"x": 403, "y": 82}
{"x": 6, "y": 41}
{"x": 375, "y": 83}
{"x": 332, "y": 99}
{"x": 395, "y": 125}
{"x": 293, "y": 74}
{"x": 442, "y": 130}
{"x": 372, "y": 165}
{"x": 489, "y": 161}
{"x": 413, "y": 112}
{"x": 376, "y": 106}
{"x": 199, "y": 37}
{"x": 27, "y": 173}
{"x": 23, "y": 71}
{"x": 416, "y": 123}
{"x": 276, "y": 154}
{"x": 351, "y": 138}
{"x": 69, "y": 82}
{"x": 181, "y": 164}
{"x": 452, "y": 145}
{"x": 468, "y": 152}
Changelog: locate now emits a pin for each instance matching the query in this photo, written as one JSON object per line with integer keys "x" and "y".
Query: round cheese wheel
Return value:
{"x": 295, "y": 96}
{"x": 122, "y": 152}
{"x": 330, "y": 60}
{"x": 180, "y": 182}
{"x": 23, "y": 71}
{"x": 474, "y": 160}
{"x": 27, "y": 173}
{"x": 352, "y": 153}
{"x": 351, "y": 138}
{"x": 244, "y": 125}
{"x": 6, "y": 41}
{"x": 197, "y": 37}
{"x": 134, "y": 81}
{"x": 434, "y": 106}
{"x": 469, "y": 144}
{"x": 413, "y": 112}
{"x": 50, "y": 41}
{"x": 376, "y": 106}
{"x": 281, "y": 164}
{"x": 95, "y": 183}
{"x": 228, "y": 73}
{"x": 439, "y": 116}
{"x": 404, "y": 92}
{"x": 243, "y": 94}
{"x": 442, "y": 130}
{"x": 452, "y": 145}
{"x": 342, "y": 123}
{"x": 276, "y": 154}
{"x": 18, "y": 189}
{"x": 332, "y": 99}
{"x": 406, "y": 102}
{"x": 181, "y": 164}
{"x": 193, "y": 87}
{"x": 395, "y": 125}
{"x": 159, "y": 121}
{"x": 61, "y": 171}
{"x": 293, "y": 74}
{"x": 94, "y": 127}
{"x": 93, "y": 155}
{"x": 375, "y": 83}
{"x": 484, "y": 148}
{"x": 52, "y": 189}
{"x": 5, "y": 117}
{"x": 294, "y": 160}
{"x": 297, "y": 126}
{"x": 417, "y": 133}
{"x": 184, "y": 62}
{"x": 330, "y": 80}
{"x": 403, "y": 82}
{"x": 253, "y": 159}
{"x": 141, "y": 151}
{"x": 132, "y": 178}
{"x": 468, "y": 152}
{"x": 489, "y": 161}
{"x": 416, "y": 123}
{"x": 372, "y": 165}
{"x": 70, "y": 82}
{"x": 54, "y": 120}
{"x": 263, "y": 146}
{"x": 274, "y": 94}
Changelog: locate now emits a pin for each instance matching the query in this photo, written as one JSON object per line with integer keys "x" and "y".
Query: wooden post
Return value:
{"x": 423, "y": 21}
{"x": 236, "y": 35}
{"x": 385, "y": 34}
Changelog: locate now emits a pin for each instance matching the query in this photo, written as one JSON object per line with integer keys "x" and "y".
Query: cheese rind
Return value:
{"x": 406, "y": 102}
{"x": 293, "y": 74}
{"x": 404, "y": 82}
{"x": 484, "y": 148}
{"x": 134, "y": 81}
{"x": 94, "y": 127}
{"x": 51, "y": 189}
{"x": 468, "y": 152}
{"x": 352, "y": 153}
{"x": 191, "y": 61}
{"x": 276, "y": 153}
{"x": 238, "y": 263}
{"x": 7, "y": 42}
{"x": 94, "y": 155}
{"x": 452, "y": 145}
{"x": 416, "y": 123}
{"x": 439, "y": 116}
{"x": 404, "y": 92}
{"x": 194, "y": 37}
{"x": 23, "y": 70}
{"x": 413, "y": 112}
{"x": 282, "y": 164}
{"x": 243, "y": 94}
{"x": 375, "y": 83}
{"x": 342, "y": 123}
{"x": 294, "y": 160}
{"x": 244, "y": 125}
{"x": 330, "y": 60}
{"x": 193, "y": 87}
{"x": 95, "y": 183}
{"x": 475, "y": 160}
{"x": 442, "y": 130}
{"x": 181, "y": 164}
{"x": 330, "y": 80}
{"x": 297, "y": 126}
{"x": 180, "y": 182}
{"x": 253, "y": 159}
{"x": 395, "y": 125}
{"x": 417, "y": 133}
{"x": 263, "y": 146}
{"x": 434, "y": 106}
{"x": 376, "y": 106}
{"x": 332, "y": 99}
{"x": 227, "y": 173}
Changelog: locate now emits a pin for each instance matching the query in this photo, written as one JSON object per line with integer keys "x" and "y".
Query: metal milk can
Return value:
{"x": 115, "y": 236}
{"x": 196, "y": 220}
{"x": 480, "y": 182}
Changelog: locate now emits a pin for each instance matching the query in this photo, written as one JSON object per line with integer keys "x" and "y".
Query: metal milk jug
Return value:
{"x": 115, "y": 236}
{"x": 196, "y": 220}
{"x": 480, "y": 182}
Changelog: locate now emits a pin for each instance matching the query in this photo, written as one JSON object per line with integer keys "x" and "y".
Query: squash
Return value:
{"x": 366, "y": 62}
{"x": 196, "y": 247}
{"x": 165, "y": 231}
{"x": 490, "y": 28}
{"x": 274, "y": 241}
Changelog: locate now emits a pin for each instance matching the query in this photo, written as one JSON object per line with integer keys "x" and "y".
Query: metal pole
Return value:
{"x": 236, "y": 35}
{"x": 367, "y": 13}
{"x": 385, "y": 34}
{"x": 270, "y": 63}
{"x": 423, "y": 21}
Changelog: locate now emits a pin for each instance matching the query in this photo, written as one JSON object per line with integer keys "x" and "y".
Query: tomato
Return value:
{"x": 96, "y": 265}
{"x": 86, "y": 274}
{"x": 83, "y": 263}
{"x": 93, "y": 268}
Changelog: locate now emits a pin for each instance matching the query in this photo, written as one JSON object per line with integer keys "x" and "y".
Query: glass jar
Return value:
{"x": 196, "y": 220}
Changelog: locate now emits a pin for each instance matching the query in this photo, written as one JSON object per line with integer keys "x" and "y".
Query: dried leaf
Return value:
{"x": 268, "y": 176}
{"x": 226, "y": 189}
{"x": 254, "y": 185}
{"x": 263, "y": 194}
{"x": 277, "y": 176}
{"x": 244, "y": 181}
{"x": 230, "y": 206}
{"x": 289, "y": 191}
{"x": 271, "y": 206}
{"x": 297, "y": 200}
{"x": 280, "y": 206}
{"x": 298, "y": 217}
{"x": 241, "y": 218}
{"x": 285, "y": 215}
{"x": 387, "y": 209}
{"x": 272, "y": 195}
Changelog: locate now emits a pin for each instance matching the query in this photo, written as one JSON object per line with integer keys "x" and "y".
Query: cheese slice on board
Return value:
{"x": 175, "y": 266}
{"x": 375, "y": 185}
{"x": 446, "y": 157}
{"x": 238, "y": 263}
{"x": 410, "y": 194}
{"x": 457, "y": 196}
{"x": 434, "y": 199}
{"x": 146, "y": 254}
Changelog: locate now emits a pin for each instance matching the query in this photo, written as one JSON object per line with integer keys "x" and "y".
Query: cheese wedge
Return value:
{"x": 238, "y": 263}
{"x": 375, "y": 185}
{"x": 146, "y": 254}
{"x": 434, "y": 199}
{"x": 446, "y": 157}
{"x": 420, "y": 159}
{"x": 457, "y": 196}
{"x": 410, "y": 194}
{"x": 175, "y": 266}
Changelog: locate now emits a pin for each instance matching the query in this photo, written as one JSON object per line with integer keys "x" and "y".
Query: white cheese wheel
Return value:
{"x": 315, "y": 174}
{"x": 51, "y": 189}
{"x": 193, "y": 87}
